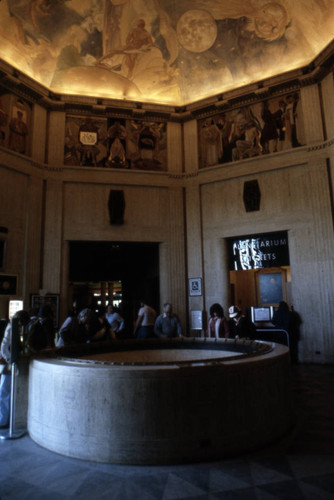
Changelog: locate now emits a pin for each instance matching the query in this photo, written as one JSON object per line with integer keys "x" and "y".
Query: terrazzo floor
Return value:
{"x": 301, "y": 466}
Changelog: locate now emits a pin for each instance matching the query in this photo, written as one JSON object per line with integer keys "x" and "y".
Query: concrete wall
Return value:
{"x": 296, "y": 199}
{"x": 188, "y": 211}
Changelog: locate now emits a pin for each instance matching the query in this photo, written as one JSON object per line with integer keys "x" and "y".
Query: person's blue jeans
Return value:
{"x": 5, "y": 385}
{"x": 145, "y": 332}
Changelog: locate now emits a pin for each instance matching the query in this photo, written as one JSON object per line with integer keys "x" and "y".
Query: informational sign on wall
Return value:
{"x": 196, "y": 320}
{"x": 14, "y": 306}
{"x": 258, "y": 251}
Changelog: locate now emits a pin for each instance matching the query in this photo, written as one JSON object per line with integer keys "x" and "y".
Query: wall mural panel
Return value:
{"x": 15, "y": 124}
{"x": 172, "y": 52}
{"x": 115, "y": 143}
{"x": 265, "y": 127}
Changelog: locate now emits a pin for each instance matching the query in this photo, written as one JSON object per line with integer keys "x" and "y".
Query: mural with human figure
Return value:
{"x": 115, "y": 143}
{"x": 158, "y": 50}
{"x": 266, "y": 127}
{"x": 15, "y": 119}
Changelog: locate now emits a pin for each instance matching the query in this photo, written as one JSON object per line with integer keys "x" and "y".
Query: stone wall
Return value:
{"x": 190, "y": 212}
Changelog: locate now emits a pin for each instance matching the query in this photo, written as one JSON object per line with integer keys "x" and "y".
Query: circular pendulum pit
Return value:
{"x": 160, "y": 401}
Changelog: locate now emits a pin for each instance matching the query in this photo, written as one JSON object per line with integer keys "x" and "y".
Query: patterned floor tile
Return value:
{"x": 298, "y": 466}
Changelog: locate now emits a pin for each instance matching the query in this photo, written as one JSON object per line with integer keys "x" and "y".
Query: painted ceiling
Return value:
{"x": 160, "y": 51}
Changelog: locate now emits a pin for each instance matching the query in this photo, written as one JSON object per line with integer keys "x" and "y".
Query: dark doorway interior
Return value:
{"x": 135, "y": 265}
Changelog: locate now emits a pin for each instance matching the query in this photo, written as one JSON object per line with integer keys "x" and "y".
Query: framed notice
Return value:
{"x": 195, "y": 287}
{"x": 36, "y": 301}
{"x": 196, "y": 320}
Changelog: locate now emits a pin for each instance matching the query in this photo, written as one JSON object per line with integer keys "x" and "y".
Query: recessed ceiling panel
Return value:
{"x": 171, "y": 52}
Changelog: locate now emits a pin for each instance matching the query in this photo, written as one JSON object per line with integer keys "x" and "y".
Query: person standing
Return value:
{"x": 46, "y": 319}
{"x": 5, "y": 381}
{"x": 105, "y": 331}
{"x": 240, "y": 325}
{"x": 282, "y": 316}
{"x": 144, "y": 326}
{"x": 218, "y": 325}
{"x": 167, "y": 324}
{"x": 115, "y": 320}
{"x": 35, "y": 335}
{"x": 81, "y": 329}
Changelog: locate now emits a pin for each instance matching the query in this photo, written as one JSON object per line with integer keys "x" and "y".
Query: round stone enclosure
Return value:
{"x": 160, "y": 401}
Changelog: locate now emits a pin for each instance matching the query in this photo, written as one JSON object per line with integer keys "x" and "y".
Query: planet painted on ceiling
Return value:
{"x": 160, "y": 51}
{"x": 196, "y": 30}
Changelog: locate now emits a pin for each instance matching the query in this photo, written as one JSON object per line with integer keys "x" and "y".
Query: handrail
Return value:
{"x": 276, "y": 330}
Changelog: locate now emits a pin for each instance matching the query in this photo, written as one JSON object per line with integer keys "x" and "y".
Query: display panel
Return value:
{"x": 262, "y": 314}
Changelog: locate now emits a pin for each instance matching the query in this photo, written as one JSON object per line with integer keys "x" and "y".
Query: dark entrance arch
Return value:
{"x": 135, "y": 264}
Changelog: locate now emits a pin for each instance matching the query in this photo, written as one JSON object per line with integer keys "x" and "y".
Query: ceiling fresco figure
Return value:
{"x": 158, "y": 50}
{"x": 26, "y": 17}
{"x": 111, "y": 27}
{"x": 41, "y": 19}
{"x": 134, "y": 47}
{"x": 138, "y": 41}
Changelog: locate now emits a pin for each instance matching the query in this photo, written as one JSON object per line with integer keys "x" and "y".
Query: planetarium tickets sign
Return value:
{"x": 259, "y": 251}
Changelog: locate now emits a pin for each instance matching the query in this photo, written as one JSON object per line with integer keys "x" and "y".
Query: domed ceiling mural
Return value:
{"x": 170, "y": 52}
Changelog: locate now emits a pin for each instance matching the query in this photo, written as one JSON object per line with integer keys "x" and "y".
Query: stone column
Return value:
{"x": 177, "y": 292}
{"x": 190, "y": 147}
{"x": 55, "y": 153}
{"x": 53, "y": 236}
{"x": 193, "y": 218}
{"x": 312, "y": 114}
{"x": 216, "y": 272}
{"x": 33, "y": 257}
{"x": 174, "y": 147}
{"x": 312, "y": 267}
{"x": 327, "y": 87}
{"x": 39, "y": 134}
{"x": 194, "y": 247}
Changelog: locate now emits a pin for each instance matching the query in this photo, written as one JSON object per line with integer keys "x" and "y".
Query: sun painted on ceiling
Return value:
{"x": 162, "y": 51}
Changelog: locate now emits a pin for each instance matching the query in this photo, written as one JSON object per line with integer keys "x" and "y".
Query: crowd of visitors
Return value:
{"x": 37, "y": 332}
{"x": 237, "y": 326}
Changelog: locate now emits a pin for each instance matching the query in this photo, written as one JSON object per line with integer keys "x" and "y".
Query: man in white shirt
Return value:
{"x": 114, "y": 319}
{"x": 144, "y": 327}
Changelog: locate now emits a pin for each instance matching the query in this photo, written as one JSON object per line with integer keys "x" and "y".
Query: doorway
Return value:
{"x": 119, "y": 272}
{"x": 259, "y": 267}
{"x": 265, "y": 287}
